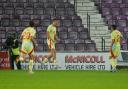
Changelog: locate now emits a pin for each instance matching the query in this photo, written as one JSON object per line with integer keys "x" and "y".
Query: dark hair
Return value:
{"x": 114, "y": 27}
{"x": 31, "y": 23}
{"x": 54, "y": 19}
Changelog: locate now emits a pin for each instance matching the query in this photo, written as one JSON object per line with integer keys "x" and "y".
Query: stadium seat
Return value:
{"x": 114, "y": 5}
{"x": 3, "y": 1}
{"x": 45, "y": 22}
{"x": 29, "y": 5}
{"x": 5, "y": 22}
{"x": 90, "y": 45}
{"x": 60, "y": 47}
{"x": 1, "y": 10}
{"x": 115, "y": 11}
{"x": 29, "y": 11}
{"x": 8, "y": 5}
{"x": 39, "y": 5}
{"x": 60, "y": 5}
{"x": 125, "y": 1}
{"x": 80, "y": 47}
{"x": 36, "y": 16}
{"x": 70, "y": 47}
{"x": 83, "y": 35}
{"x": 72, "y": 29}
{"x": 39, "y": 11}
{"x": 40, "y": 41}
{"x": 19, "y": 5}
{"x": 32, "y": 1}
{"x": 122, "y": 23}
{"x": 70, "y": 11}
{"x": 43, "y": 1}
{"x": 67, "y": 22}
{"x": 60, "y": 11}
{"x": 2, "y": 34}
{"x": 62, "y": 29}
{"x": 20, "y": 1}
{"x": 124, "y": 11}
{"x": 25, "y": 17}
{"x": 40, "y": 48}
{"x": 107, "y": 1}
{"x": 15, "y": 23}
{"x": 106, "y": 11}
{"x": 19, "y": 11}
{"x": 82, "y": 29}
{"x": 63, "y": 35}
{"x": 9, "y": 11}
{"x": 49, "y": 11}
{"x": 73, "y": 35}
{"x": 42, "y": 35}
{"x": 25, "y": 23}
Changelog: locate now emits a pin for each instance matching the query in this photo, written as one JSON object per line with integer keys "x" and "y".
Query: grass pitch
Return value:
{"x": 63, "y": 80}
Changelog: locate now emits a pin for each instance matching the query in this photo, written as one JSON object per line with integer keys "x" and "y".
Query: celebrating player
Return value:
{"x": 28, "y": 44}
{"x": 51, "y": 40}
{"x": 115, "y": 47}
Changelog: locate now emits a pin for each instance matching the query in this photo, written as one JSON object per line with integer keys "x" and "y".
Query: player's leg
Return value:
{"x": 31, "y": 61}
{"x": 23, "y": 52}
{"x": 54, "y": 56}
{"x": 18, "y": 62}
{"x": 112, "y": 58}
{"x": 50, "y": 55}
{"x": 114, "y": 55}
{"x": 53, "y": 52}
{"x": 30, "y": 50}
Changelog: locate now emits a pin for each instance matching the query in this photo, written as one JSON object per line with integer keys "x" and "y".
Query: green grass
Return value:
{"x": 63, "y": 80}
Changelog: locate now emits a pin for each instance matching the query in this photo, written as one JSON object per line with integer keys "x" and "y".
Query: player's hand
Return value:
{"x": 53, "y": 41}
{"x": 35, "y": 46}
{"x": 58, "y": 40}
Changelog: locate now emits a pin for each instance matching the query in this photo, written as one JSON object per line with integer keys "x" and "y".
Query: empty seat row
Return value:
{"x": 70, "y": 47}
{"x": 36, "y": 5}
{"x": 30, "y": 1}
{"x": 39, "y": 11}
{"x": 111, "y": 1}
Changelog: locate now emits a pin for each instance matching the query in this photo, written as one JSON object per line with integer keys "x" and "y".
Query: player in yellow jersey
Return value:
{"x": 115, "y": 47}
{"x": 28, "y": 44}
{"x": 51, "y": 40}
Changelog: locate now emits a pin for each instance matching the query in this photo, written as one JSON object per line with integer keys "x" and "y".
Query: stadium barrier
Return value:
{"x": 4, "y": 60}
{"x": 73, "y": 61}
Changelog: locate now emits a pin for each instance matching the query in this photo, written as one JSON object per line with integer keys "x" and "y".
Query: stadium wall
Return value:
{"x": 73, "y": 61}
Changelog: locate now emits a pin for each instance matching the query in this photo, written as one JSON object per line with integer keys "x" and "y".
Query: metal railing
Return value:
{"x": 88, "y": 23}
{"x": 103, "y": 44}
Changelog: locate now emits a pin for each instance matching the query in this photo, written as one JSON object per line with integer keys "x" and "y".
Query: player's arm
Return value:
{"x": 56, "y": 37}
{"x": 21, "y": 38}
{"x": 121, "y": 38}
{"x": 113, "y": 41}
{"x": 34, "y": 42}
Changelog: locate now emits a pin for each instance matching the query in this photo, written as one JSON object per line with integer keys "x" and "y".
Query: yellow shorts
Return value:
{"x": 27, "y": 48}
{"x": 51, "y": 44}
{"x": 115, "y": 51}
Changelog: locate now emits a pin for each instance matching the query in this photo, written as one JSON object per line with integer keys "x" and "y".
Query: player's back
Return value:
{"x": 28, "y": 33}
{"x": 116, "y": 35}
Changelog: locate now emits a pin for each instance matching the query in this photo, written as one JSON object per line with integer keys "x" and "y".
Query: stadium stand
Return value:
{"x": 115, "y": 12}
{"x": 16, "y": 14}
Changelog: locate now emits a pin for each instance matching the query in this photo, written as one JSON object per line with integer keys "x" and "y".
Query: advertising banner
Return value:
{"x": 73, "y": 61}
{"x": 4, "y": 60}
